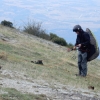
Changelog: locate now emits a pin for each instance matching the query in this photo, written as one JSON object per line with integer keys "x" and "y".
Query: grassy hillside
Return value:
{"x": 18, "y": 50}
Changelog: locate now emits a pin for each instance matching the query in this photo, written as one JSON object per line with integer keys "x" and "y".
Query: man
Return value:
{"x": 83, "y": 43}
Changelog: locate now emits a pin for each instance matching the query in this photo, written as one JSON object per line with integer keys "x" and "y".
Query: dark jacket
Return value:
{"x": 83, "y": 38}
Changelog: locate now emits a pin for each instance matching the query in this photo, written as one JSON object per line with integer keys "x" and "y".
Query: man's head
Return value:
{"x": 77, "y": 29}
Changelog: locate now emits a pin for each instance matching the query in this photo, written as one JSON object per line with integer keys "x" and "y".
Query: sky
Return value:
{"x": 57, "y": 16}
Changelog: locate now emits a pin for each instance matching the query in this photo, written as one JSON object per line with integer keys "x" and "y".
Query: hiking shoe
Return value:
{"x": 80, "y": 75}
{"x": 83, "y": 75}
{"x": 77, "y": 74}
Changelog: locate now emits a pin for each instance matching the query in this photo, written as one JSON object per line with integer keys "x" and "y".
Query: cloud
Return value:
{"x": 58, "y": 16}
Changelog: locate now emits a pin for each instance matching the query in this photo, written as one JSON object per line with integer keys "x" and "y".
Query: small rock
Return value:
{"x": 37, "y": 62}
{"x": 91, "y": 87}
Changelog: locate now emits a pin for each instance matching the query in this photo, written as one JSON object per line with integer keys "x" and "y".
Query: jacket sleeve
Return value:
{"x": 76, "y": 41}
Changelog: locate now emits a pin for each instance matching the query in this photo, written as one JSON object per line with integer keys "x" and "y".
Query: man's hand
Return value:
{"x": 79, "y": 45}
{"x": 74, "y": 48}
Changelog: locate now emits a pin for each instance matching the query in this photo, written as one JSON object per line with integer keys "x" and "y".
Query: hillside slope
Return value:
{"x": 22, "y": 79}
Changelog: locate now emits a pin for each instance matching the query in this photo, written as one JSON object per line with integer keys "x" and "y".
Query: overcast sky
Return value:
{"x": 57, "y": 16}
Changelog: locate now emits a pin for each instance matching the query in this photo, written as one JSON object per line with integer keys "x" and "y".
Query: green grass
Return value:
{"x": 13, "y": 94}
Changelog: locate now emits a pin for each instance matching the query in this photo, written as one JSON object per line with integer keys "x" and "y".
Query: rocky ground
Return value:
{"x": 56, "y": 91}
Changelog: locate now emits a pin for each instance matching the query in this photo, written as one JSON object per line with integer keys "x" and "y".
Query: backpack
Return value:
{"x": 94, "y": 49}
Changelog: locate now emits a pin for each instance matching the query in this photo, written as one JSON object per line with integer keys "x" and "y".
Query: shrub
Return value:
{"x": 7, "y": 23}
{"x": 59, "y": 41}
{"x": 52, "y": 35}
{"x": 44, "y": 35}
{"x": 35, "y": 29}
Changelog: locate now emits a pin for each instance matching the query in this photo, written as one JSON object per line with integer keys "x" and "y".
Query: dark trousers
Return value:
{"x": 82, "y": 63}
